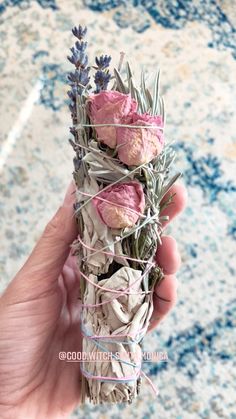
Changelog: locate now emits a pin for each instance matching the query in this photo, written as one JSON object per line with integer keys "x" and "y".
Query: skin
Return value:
{"x": 39, "y": 317}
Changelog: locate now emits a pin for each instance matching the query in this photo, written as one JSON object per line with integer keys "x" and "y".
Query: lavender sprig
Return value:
{"x": 79, "y": 79}
{"x": 79, "y": 82}
{"x": 102, "y": 75}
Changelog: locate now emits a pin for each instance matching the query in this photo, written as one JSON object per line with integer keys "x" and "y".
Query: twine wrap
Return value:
{"x": 115, "y": 310}
{"x": 114, "y": 325}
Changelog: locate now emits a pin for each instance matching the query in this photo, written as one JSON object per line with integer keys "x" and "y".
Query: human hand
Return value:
{"x": 40, "y": 317}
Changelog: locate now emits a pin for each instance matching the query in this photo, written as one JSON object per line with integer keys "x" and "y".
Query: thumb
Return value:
{"x": 50, "y": 253}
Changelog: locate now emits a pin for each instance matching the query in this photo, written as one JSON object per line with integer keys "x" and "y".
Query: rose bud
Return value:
{"x": 127, "y": 204}
{"x": 140, "y": 145}
{"x": 109, "y": 107}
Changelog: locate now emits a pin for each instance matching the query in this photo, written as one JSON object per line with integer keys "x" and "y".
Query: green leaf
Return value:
{"x": 145, "y": 93}
{"x": 156, "y": 93}
{"x": 132, "y": 89}
{"x": 149, "y": 98}
{"x": 162, "y": 108}
{"x": 120, "y": 84}
{"x": 169, "y": 184}
{"x": 143, "y": 86}
{"x": 128, "y": 71}
{"x": 141, "y": 102}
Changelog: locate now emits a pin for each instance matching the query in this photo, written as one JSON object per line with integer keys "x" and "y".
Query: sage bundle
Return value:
{"x": 121, "y": 172}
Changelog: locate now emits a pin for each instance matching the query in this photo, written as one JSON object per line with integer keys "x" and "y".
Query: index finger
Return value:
{"x": 177, "y": 204}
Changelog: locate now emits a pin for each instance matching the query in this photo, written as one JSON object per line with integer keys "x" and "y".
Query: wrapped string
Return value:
{"x": 110, "y": 290}
{"x": 105, "y": 338}
{"x": 120, "y": 293}
{"x": 114, "y": 254}
{"x": 81, "y": 125}
{"x": 114, "y": 338}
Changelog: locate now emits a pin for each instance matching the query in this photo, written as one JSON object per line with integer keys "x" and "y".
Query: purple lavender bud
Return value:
{"x": 81, "y": 46}
{"x": 79, "y": 32}
{"x": 84, "y": 76}
{"x": 77, "y": 206}
{"x": 72, "y": 93}
{"x": 72, "y": 108}
{"x": 79, "y": 59}
{"x": 79, "y": 76}
{"x": 77, "y": 163}
{"x": 101, "y": 80}
{"x": 103, "y": 61}
{"x": 72, "y": 130}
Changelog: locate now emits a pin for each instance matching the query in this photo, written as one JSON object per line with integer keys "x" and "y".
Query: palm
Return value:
{"x": 51, "y": 325}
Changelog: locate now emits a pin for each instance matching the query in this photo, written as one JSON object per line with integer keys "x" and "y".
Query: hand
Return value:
{"x": 168, "y": 258}
{"x": 39, "y": 317}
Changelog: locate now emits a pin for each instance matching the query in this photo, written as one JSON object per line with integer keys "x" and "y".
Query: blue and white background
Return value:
{"x": 194, "y": 43}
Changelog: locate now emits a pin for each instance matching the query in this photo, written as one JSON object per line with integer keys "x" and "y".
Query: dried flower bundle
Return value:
{"x": 121, "y": 171}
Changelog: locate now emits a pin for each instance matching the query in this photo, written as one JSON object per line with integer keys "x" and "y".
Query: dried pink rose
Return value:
{"x": 127, "y": 204}
{"x": 139, "y": 145}
{"x": 109, "y": 107}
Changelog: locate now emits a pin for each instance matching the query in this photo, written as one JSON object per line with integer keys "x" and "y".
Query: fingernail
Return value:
{"x": 70, "y": 195}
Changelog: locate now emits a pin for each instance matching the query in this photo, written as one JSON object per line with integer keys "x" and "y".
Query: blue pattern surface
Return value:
{"x": 194, "y": 41}
{"x": 205, "y": 173}
{"x": 173, "y": 14}
{"x": 22, "y": 4}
